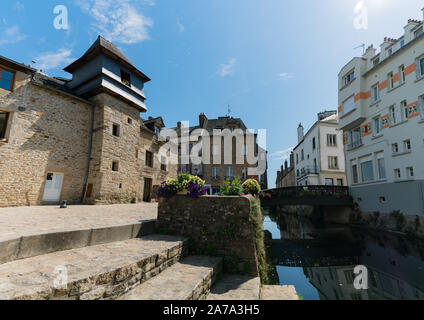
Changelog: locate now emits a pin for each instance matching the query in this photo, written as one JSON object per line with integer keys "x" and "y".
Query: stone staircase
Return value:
{"x": 127, "y": 262}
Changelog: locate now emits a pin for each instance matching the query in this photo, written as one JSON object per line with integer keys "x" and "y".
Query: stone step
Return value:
{"x": 103, "y": 271}
{"x": 189, "y": 279}
{"x": 33, "y": 244}
{"x": 236, "y": 287}
{"x": 279, "y": 293}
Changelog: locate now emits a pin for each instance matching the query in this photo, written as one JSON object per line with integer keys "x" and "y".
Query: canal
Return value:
{"x": 319, "y": 259}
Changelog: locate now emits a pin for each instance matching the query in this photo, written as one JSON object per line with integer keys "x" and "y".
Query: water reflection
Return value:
{"x": 319, "y": 260}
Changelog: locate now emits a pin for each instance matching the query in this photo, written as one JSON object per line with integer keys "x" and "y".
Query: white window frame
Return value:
{"x": 229, "y": 170}
{"x": 373, "y": 95}
{"x": 421, "y": 106}
{"x": 392, "y": 111}
{"x": 395, "y": 148}
{"x": 376, "y": 122}
{"x": 397, "y": 174}
{"x": 404, "y": 109}
{"x": 402, "y": 76}
{"x": 215, "y": 172}
{"x": 407, "y": 147}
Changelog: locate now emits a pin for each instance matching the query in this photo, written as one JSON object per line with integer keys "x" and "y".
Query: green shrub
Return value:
{"x": 232, "y": 188}
{"x": 184, "y": 179}
{"x": 251, "y": 186}
{"x": 399, "y": 218}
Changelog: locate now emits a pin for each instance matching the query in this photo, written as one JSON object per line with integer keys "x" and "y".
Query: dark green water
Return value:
{"x": 319, "y": 260}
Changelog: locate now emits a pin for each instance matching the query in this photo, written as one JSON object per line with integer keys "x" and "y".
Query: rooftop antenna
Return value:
{"x": 361, "y": 46}
{"x": 229, "y": 111}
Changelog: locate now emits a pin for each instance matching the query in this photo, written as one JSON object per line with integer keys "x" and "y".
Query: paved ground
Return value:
{"x": 236, "y": 287}
{"x": 16, "y": 222}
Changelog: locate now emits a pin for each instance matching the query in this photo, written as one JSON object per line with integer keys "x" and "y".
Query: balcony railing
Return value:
{"x": 354, "y": 145}
{"x": 307, "y": 171}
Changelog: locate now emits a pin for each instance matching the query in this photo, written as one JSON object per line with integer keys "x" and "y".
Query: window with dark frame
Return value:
{"x": 4, "y": 118}
{"x": 115, "y": 130}
{"x": 163, "y": 166}
{"x": 126, "y": 78}
{"x": 6, "y": 79}
{"x": 149, "y": 159}
{"x": 115, "y": 166}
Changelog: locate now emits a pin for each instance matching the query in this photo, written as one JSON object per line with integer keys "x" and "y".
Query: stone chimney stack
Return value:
{"x": 286, "y": 165}
{"x": 203, "y": 120}
{"x": 369, "y": 53}
{"x": 180, "y": 125}
{"x": 300, "y": 133}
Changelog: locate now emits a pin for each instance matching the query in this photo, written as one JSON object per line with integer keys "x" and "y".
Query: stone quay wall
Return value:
{"x": 218, "y": 226}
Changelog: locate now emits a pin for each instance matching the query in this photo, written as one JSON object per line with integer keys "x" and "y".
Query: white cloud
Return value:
{"x": 285, "y": 76}
{"x": 227, "y": 68}
{"x": 150, "y": 3}
{"x": 52, "y": 60}
{"x": 282, "y": 154}
{"x": 118, "y": 21}
{"x": 181, "y": 28}
{"x": 11, "y": 35}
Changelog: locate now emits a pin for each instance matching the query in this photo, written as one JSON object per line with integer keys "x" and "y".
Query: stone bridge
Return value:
{"x": 310, "y": 195}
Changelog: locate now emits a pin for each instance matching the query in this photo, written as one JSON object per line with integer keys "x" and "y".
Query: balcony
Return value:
{"x": 354, "y": 145}
{"x": 307, "y": 171}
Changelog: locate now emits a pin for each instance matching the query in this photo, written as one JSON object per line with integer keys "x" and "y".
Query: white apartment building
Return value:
{"x": 381, "y": 113}
{"x": 319, "y": 157}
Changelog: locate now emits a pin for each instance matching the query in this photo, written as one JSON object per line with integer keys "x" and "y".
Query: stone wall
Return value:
{"x": 220, "y": 226}
{"x": 48, "y": 133}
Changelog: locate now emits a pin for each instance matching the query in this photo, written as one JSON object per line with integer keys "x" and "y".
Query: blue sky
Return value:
{"x": 274, "y": 61}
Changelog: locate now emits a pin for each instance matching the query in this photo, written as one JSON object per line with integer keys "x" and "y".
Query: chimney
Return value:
{"x": 383, "y": 47}
{"x": 409, "y": 27}
{"x": 203, "y": 120}
{"x": 300, "y": 133}
{"x": 369, "y": 53}
{"x": 292, "y": 160}
{"x": 180, "y": 125}
{"x": 286, "y": 165}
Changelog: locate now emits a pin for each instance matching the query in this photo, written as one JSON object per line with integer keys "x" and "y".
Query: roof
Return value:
{"x": 107, "y": 47}
{"x": 147, "y": 124}
{"x": 16, "y": 65}
{"x": 219, "y": 123}
{"x": 55, "y": 84}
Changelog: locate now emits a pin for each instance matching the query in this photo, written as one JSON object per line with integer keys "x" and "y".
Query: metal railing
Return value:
{"x": 354, "y": 144}
{"x": 307, "y": 171}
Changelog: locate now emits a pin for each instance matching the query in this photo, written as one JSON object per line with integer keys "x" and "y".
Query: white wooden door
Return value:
{"x": 53, "y": 187}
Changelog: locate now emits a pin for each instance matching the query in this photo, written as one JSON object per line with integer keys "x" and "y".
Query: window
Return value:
{"x": 331, "y": 140}
{"x": 421, "y": 66}
{"x": 381, "y": 169}
{"x": 214, "y": 172}
{"x": 367, "y": 171}
{"x": 229, "y": 173}
{"x": 129, "y": 121}
{"x": 297, "y": 158}
{"x": 333, "y": 163}
{"x": 349, "y": 105}
{"x": 244, "y": 173}
{"x": 348, "y": 78}
{"x": 355, "y": 138}
{"x": 391, "y": 80}
{"x": 314, "y": 144}
{"x": 125, "y": 78}
{"x": 6, "y": 79}
{"x": 157, "y": 132}
{"x": 377, "y": 126}
{"x": 115, "y": 165}
{"x": 355, "y": 173}
{"x": 410, "y": 172}
{"x": 375, "y": 62}
{"x": 418, "y": 32}
{"x": 392, "y": 111}
{"x": 214, "y": 150}
{"x": 329, "y": 182}
{"x": 303, "y": 155}
{"x": 163, "y": 162}
{"x": 397, "y": 174}
{"x": 115, "y": 130}
{"x": 149, "y": 159}
{"x": 340, "y": 182}
{"x": 4, "y": 118}
{"x": 375, "y": 93}
{"x": 395, "y": 148}
{"x": 390, "y": 51}
{"x": 407, "y": 145}
{"x": 402, "y": 43}
{"x": 402, "y": 74}
{"x": 421, "y": 103}
{"x": 404, "y": 110}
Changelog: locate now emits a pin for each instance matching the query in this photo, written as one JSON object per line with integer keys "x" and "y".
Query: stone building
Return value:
{"x": 285, "y": 177}
{"x": 215, "y": 174}
{"x": 79, "y": 139}
{"x": 381, "y": 110}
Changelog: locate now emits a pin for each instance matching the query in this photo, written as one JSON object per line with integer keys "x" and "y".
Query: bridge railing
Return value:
{"x": 308, "y": 192}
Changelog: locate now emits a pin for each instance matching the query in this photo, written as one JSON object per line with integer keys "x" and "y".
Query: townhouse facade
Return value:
{"x": 286, "y": 176}
{"x": 80, "y": 139}
{"x": 381, "y": 110}
{"x": 216, "y": 172}
{"x": 319, "y": 157}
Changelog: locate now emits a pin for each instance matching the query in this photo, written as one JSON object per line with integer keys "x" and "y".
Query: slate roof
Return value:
{"x": 103, "y": 45}
{"x": 220, "y": 123}
{"x": 16, "y": 65}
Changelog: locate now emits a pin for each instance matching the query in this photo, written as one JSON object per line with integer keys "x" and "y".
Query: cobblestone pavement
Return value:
{"x": 19, "y": 221}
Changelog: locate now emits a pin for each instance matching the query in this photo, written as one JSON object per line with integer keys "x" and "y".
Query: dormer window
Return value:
{"x": 6, "y": 79}
{"x": 418, "y": 32}
{"x": 402, "y": 43}
{"x": 157, "y": 132}
{"x": 126, "y": 78}
{"x": 390, "y": 52}
{"x": 376, "y": 61}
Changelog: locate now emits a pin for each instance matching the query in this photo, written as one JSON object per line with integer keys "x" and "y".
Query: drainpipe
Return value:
{"x": 90, "y": 143}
